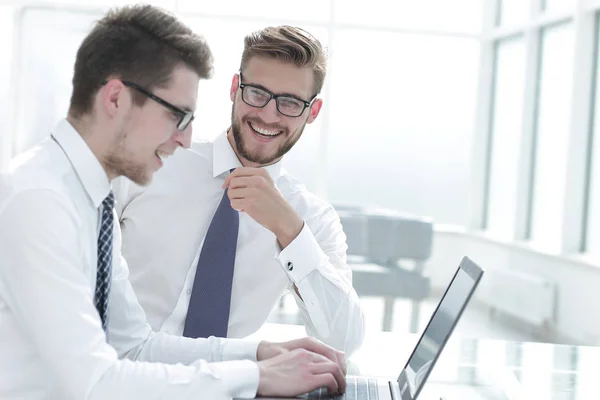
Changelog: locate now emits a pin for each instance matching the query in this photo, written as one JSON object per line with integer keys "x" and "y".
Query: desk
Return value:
{"x": 497, "y": 369}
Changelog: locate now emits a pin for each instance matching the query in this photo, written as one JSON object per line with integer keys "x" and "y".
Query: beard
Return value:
{"x": 257, "y": 157}
{"x": 119, "y": 160}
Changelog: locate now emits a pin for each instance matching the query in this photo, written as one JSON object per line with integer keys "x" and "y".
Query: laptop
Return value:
{"x": 410, "y": 383}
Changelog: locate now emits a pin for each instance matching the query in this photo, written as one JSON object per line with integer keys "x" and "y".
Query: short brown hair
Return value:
{"x": 288, "y": 44}
{"x": 139, "y": 43}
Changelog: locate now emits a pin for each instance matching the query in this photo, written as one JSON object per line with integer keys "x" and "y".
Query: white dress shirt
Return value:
{"x": 164, "y": 225}
{"x": 52, "y": 345}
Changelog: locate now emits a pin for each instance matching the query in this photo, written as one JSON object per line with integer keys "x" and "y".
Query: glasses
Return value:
{"x": 259, "y": 97}
{"x": 185, "y": 117}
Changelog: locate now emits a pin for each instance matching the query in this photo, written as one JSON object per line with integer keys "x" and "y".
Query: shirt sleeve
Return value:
{"x": 132, "y": 337}
{"x": 44, "y": 285}
{"x": 315, "y": 262}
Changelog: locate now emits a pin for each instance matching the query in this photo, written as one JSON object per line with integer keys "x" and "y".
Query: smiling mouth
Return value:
{"x": 162, "y": 156}
{"x": 266, "y": 133}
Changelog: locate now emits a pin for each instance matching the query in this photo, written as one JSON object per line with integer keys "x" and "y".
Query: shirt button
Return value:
{"x": 290, "y": 266}
{"x": 189, "y": 292}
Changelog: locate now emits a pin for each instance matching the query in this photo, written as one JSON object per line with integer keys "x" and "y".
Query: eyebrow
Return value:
{"x": 278, "y": 94}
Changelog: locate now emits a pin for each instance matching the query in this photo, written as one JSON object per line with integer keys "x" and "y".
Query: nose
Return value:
{"x": 269, "y": 113}
{"x": 183, "y": 138}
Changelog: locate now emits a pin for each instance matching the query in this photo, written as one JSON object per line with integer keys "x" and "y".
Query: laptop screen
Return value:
{"x": 439, "y": 329}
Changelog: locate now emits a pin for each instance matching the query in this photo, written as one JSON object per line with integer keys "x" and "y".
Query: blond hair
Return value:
{"x": 288, "y": 44}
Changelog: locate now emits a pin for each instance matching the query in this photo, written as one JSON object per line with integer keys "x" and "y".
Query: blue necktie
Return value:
{"x": 103, "y": 274}
{"x": 208, "y": 312}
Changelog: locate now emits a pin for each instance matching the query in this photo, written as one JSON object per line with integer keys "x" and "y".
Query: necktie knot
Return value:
{"x": 109, "y": 201}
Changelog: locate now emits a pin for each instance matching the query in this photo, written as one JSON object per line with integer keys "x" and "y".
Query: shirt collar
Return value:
{"x": 225, "y": 159}
{"x": 87, "y": 167}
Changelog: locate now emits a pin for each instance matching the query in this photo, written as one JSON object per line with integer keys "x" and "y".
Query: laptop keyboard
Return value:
{"x": 357, "y": 388}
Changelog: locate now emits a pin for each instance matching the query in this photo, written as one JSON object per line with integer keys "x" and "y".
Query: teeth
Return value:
{"x": 163, "y": 156}
{"x": 264, "y": 131}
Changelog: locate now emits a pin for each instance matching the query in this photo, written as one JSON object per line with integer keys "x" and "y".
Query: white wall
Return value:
{"x": 6, "y": 47}
{"x": 578, "y": 283}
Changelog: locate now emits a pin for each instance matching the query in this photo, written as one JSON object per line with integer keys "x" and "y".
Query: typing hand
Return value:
{"x": 299, "y": 371}
{"x": 252, "y": 191}
{"x": 268, "y": 350}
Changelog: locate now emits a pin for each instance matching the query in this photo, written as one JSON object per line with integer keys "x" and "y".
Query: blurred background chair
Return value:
{"x": 387, "y": 251}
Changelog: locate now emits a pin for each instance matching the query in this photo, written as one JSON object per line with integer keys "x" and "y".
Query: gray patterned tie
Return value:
{"x": 103, "y": 275}
{"x": 208, "y": 312}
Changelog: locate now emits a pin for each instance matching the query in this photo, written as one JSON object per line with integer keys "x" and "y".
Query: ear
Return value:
{"x": 235, "y": 85}
{"x": 113, "y": 96}
{"x": 314, "y": 110}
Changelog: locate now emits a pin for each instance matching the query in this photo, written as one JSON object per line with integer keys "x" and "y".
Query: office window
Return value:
{"x": 437, "y": 15}
{"x": 48, "y": 46}
{"x": 512, "y": 11}
{"x": 402, "y": 121}
{"x": 552, "y": 136}
{"x": 558, "y": 5}
{"x": 103, "y": 4}
{"x": 307, "y": 10}
{"x": 506, "y": 132}
{"x": 593, "y": 217}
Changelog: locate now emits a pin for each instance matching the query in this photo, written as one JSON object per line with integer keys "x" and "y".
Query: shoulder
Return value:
{"x": 310, "y": 206}
{"x": 43, "y": 170}
{"x": 184, "y": 169}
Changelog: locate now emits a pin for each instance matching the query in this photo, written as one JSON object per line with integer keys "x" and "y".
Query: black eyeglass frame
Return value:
{"x": 186, "y": 117}
{"x": 307, "y": 104}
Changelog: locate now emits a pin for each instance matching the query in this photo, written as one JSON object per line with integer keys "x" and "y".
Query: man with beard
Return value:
{"x": 70, "y": 324}
{"x": 224, "y": 231}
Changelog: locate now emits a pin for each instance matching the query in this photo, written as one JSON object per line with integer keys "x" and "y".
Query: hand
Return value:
{"x": 297, "y": 372}
{"x": 252, "y": 191}
{"x": 267, "y": 350}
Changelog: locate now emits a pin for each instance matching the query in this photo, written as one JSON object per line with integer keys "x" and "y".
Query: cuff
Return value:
{"x": 239, "y": 349}
{"x": 240, "y": 378}
{"x": 302, "y": 256}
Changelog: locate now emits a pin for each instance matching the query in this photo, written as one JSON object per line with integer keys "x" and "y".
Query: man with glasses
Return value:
{"x": 70, "y": 324}
{"x": 184, "y": 117}
{"x": 225, "y": 231}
